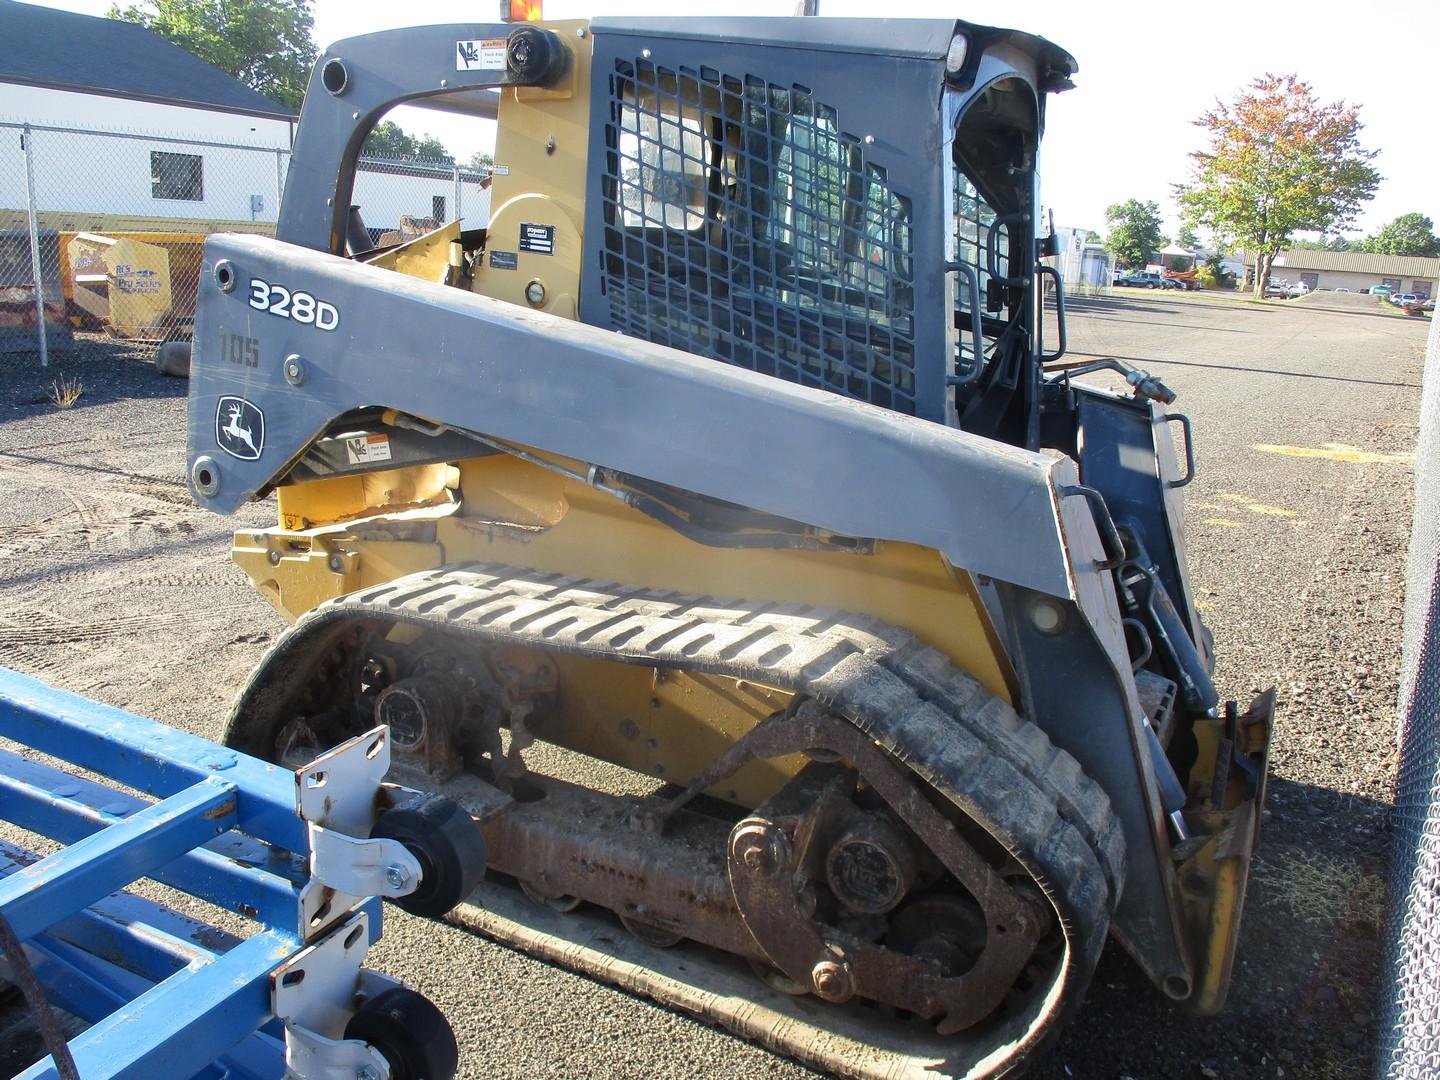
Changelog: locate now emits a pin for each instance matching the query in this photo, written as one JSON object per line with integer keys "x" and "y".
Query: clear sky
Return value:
{"x": 1146, "y": 71}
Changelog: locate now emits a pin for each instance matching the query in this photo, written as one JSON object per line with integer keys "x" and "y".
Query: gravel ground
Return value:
{"x": 113, "y": 584}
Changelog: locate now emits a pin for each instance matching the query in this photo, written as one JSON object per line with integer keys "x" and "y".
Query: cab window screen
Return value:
{"x": 744, "y": 224}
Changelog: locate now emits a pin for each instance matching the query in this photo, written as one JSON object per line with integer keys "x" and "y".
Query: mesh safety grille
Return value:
{"x": 743, "y": 224}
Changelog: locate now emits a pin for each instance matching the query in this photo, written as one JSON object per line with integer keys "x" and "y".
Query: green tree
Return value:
{"x": 1134, "y": 232}
{"x": 1213, "y": 274}
{"x": 1408, "y": 234}
{"x": 1093, "y": 237}
{"x": 432, "y": 149}
{"x": 1278, "y": 162}
{"x": 389, "y": 140}
{"x": 265, "y": 44}
{"x": 482, "y": 162}
{"x": 1328, "y": 243}
{"x": 1187, "y": 238}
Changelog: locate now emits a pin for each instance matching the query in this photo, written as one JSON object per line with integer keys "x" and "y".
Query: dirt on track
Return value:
{"x": 113, "y": 584}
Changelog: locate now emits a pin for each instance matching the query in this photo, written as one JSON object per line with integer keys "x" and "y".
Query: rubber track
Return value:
{"x": 1000, "y": 770}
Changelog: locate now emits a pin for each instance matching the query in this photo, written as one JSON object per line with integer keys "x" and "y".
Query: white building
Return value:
{"x": 91, "y": 77}
{"x": 132, "y": 133}
{"x": 1357, "y": 271}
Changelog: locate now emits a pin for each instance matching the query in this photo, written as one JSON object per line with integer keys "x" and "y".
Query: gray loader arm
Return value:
{"x": 549, "y": 383}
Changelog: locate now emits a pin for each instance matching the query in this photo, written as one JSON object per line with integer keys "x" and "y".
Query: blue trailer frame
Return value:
{"x": 165, "y": 994}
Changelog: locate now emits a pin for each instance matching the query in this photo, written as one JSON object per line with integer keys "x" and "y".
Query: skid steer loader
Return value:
{"x": 716, "y": 525}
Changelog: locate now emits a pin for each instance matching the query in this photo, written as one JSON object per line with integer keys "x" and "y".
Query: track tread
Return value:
{"x": 1001, "y": 770}
{"x": 871, "y": 670}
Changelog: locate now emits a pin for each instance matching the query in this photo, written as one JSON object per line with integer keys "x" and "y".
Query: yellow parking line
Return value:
{"x": 1226, "y": 522}
{"x": 1257, "y": 507}
{"x": 1338, "y": 452}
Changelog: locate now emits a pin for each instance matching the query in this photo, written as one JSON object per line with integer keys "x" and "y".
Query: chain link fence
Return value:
{"x": 1410, "y": 1045}
{"x": 101, "y": 231}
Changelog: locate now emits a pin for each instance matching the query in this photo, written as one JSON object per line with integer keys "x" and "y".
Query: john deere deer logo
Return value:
{"x": 239, "y": 428}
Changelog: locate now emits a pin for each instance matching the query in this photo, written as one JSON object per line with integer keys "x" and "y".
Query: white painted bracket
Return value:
{"x": 374, "y": 867}
{"x": 336, "y": 796}
{"x": 337, "y": 789}
{"x": 313, "y": 994}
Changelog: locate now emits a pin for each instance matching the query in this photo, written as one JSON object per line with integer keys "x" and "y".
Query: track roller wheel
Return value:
{"x": 564, "y": 903}
{"x": 655, "y": 936}
{"x": 447, "y": 843}
{"x": 410, "y": 1033}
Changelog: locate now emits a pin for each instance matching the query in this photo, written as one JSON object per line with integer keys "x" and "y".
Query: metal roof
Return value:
{"x": 1355, "y": 262}
{"x": 65, "y": 51}
{"x": 924, "y": 39}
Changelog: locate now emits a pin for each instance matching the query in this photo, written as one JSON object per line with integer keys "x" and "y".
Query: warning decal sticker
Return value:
{"x": 487, "y": 54}
{"x": 363, "y": 449}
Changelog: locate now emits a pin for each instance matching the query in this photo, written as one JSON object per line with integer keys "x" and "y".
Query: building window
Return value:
{"x": 176, "y": 176}
{"x": 437, "y": 208}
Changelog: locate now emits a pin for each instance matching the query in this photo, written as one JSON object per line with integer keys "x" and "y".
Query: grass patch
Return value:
{"x": 1316, "y": 888}
{"x": 65, "y": 392}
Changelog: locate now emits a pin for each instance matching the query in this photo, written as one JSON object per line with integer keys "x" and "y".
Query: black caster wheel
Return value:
{"x": 449, "y": 847}
{"x": 410, "y": 1032}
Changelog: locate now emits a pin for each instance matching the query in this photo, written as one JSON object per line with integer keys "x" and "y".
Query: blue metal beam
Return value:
{"x": 233, "y": 871}
{"x": 169, "y": 996}
{"x": 86, "y": 985}
{"x": 78, "y": 875}
{"x": 184, "y": 1023}
{"x": 146, "y": 755}
{"x": 147, "y": 942}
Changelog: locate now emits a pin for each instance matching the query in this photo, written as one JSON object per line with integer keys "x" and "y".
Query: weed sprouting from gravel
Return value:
{"x": 1318, "y": 888}
{"x": 65, "y": 391}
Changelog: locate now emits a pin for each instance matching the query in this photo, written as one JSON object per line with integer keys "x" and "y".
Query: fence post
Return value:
{"x": 456, "y": 216}
{"x": 279, "y": 183}
{"x": 35, "y": 267}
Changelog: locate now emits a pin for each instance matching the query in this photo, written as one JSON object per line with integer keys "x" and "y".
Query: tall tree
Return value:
{"x": 265, "y": 44}
{"x": 1134, "y": 232}
{"x": 430, "y": 148}
{"x": 1187, "y": 238}
{"x": 1278, "y": 162}
{"x": 1408, "y": 234}
{"x": 1328, "y": 243}
{"x": 388, "y": 139}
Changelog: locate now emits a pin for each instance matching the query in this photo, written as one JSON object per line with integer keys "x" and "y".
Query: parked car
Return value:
{"x": 1380, "y": 290}
{"x": 1280, "y": 289}
{"x": 1339, "y": 290}
{"x": 1401, "y": 299}
{"x": 1144, "y": 279}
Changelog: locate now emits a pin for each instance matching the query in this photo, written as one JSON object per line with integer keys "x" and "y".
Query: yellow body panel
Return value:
{"x": 540, "y": 160}
{"x": 431, "y": 257}
{"x": 653, "y": 722}
{"x": 344, "y": 498}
